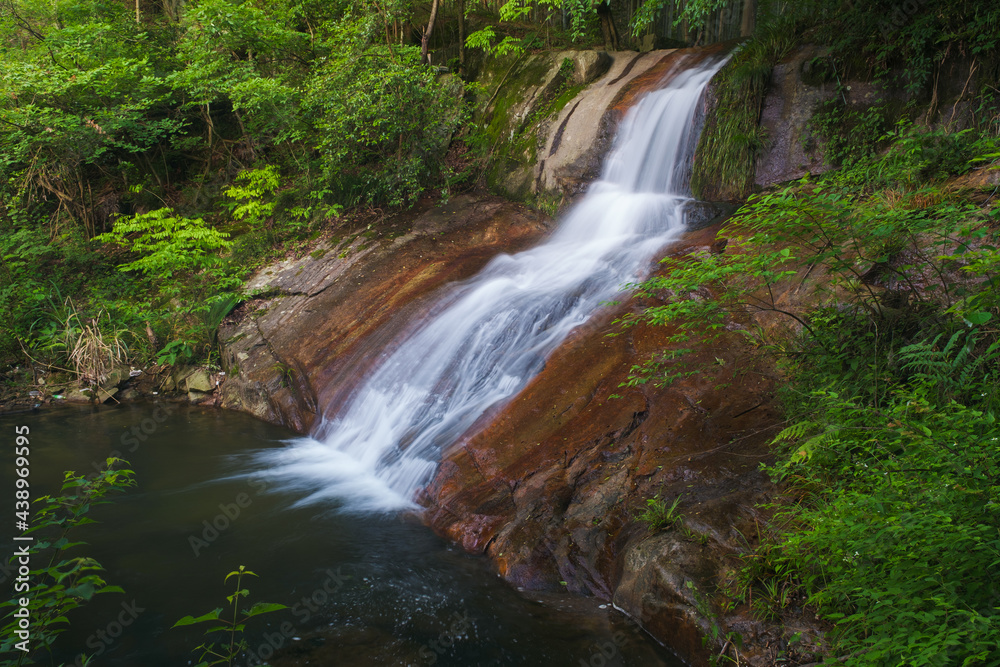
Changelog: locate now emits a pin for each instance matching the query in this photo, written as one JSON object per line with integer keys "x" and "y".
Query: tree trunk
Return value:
{"x": 461, "y": 37}
{"x": 608, "y": 25}
{"x": 426, "y": 40}
{"x": 749, "y": 16}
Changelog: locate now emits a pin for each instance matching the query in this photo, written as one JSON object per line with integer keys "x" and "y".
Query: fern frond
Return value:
{"x": 795, "y": 432}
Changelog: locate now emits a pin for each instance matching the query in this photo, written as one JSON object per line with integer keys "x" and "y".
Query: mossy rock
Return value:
{"x": 521, "y": 94}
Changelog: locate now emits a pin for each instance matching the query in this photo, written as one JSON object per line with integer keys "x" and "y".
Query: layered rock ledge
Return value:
{"x": 286, "y": 350}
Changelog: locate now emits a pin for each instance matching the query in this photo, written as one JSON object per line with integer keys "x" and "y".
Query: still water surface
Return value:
{"x": 363, "y": 589}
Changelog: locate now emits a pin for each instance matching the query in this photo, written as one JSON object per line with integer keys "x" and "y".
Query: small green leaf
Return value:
{"x": 112, "y": 589}
{"x": 191, "y": 620}
{"x": 218, "y": 628}
{"x": 263, "y": 608}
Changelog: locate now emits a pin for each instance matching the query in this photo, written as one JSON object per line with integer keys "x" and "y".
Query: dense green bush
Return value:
{"x": 144, "y": 129}
{"x": 891, "y": 529}
{"x": 382, "y": 124}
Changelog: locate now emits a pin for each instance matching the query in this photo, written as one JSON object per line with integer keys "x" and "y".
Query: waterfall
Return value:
{"x": 488, "y": 336}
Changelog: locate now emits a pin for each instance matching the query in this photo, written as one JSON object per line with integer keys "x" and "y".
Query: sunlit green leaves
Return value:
{"x": 167, "y": 242}
{"x": 901, "y": 550}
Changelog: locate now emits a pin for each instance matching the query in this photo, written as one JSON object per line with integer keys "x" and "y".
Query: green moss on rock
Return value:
{"x": 520, "y": 96}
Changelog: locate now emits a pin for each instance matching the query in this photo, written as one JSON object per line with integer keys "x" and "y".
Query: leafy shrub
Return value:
{"x": 890, "y": 460}
{"x": 226, "y": 653}
{"x": 181, "y": 259}
{"x": 900, "y": 547}
{"x": 167, "y": 242}
{"x": 64, "y": 583}
{"x": 382, "y": 123}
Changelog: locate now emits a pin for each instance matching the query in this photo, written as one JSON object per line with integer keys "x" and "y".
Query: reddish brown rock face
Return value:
{"x": 550, "y": 489}
{"x": 330, "y": 313}
{"x": 549, "y": 485}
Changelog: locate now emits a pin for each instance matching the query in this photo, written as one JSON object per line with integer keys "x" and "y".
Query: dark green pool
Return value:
{"x": 361, "y": 589}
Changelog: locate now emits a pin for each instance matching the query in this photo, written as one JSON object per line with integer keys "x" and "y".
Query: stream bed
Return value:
{"x": 362, "y": 589}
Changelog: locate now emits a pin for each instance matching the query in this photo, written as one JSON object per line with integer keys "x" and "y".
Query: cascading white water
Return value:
{"x": 488, "y": 336}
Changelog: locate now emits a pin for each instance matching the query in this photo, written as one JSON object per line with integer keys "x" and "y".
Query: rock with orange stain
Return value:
{"x": 552, "y": 487}
{"x": 323, "y": 318}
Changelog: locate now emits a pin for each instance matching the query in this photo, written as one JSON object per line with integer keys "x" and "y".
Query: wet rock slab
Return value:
{"x": 549, "y": 486}
{"x": 579, "y": 137}
{"x": 551, "y": 489}
{"x": 286, "y": 351}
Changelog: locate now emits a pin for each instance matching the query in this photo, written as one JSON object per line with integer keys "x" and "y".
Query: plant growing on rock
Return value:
{"x": 660, "y": 516}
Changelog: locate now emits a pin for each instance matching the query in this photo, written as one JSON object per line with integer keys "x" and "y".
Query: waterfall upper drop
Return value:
{"x": 486, "y": 337}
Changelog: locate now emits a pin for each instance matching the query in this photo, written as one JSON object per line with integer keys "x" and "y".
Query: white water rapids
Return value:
{"x": 489, "y": 335}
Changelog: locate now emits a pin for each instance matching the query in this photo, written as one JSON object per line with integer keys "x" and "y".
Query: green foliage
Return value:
{"x": 90, "y": 346}
{"x": 716, "y": 636}
{"x": 485, "y": 37}
{"x": 878, "y": 251}
{"x": 851, "y": 135}
{"x": 900, "y": 546}
{"x": 645, "y": 15}
{"x": 227, "y": 653}
{"x": 916, "y": 155}
{"x": 731, "y": 139}
{"x": 921, "y": 36}
{"x": 900, "y": 50}
{"x": 663, "y": 368}
{"x": 249, "y": 193}
{"x": 32, "y": 272}
{"x": 891, "y": 452}
{"x": 80, "y": 96}
{"x": 65, "y": 583}
{"x": 143, "y": 132}
{"x": 528, "y": 25}
{"x": 176, "y": 351}
{"x": 514, "y": 12}
{"x": 180, "y": 256}
{"x": 364, "y": 116}
{"x": 956, "y": 368}
{"x": 765, "y": 581}
{"x": 382, "y": 123}
{"x": 660, "y": 516}
{"x": 167, "y": 242}
{"x": 697, "y": 14}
